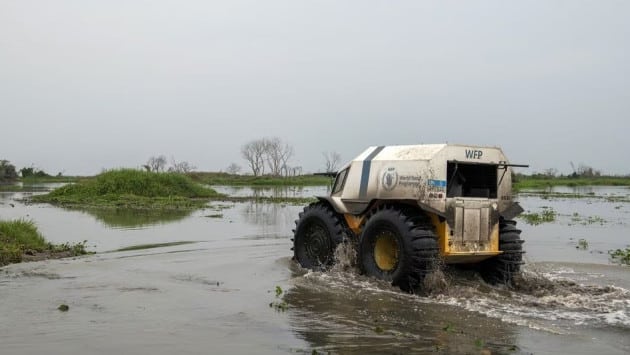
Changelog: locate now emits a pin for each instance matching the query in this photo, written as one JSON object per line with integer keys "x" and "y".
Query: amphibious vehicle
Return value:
{"x": 409, "y": 208}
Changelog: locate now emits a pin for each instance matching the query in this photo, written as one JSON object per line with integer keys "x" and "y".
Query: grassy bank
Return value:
{"x": 525, "y": 182}
{"x": 136, "y": 189}
{"x": 20, "y": 240}
{"x": 249, "y": 180}
{"x": 49, "y": 179}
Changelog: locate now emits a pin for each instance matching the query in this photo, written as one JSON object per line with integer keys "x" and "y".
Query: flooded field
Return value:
{"x": 232, "y": 288}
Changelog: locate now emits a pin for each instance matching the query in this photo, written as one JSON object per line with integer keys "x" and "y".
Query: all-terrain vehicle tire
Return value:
{"x": 398, "y": 244}
{"x": 502, "y": 268}
{"x": 317, "y": 233}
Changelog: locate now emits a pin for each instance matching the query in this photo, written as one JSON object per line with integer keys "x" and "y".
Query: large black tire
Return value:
{"x": 502, "y": 268}
{"x": 398, "y": 244}
{"x": 317, "y": 233}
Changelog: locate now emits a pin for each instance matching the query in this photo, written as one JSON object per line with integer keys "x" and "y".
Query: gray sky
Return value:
{"x": 87, "y": 85}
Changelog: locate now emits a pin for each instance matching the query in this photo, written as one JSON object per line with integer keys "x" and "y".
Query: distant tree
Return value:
{"x": 277, "y": 154}
{"x": 233, "y": 169}
{"x": 332, "y": 160}
{"x": 296, "y": 170}
{"x": 551, "y": 172}
{"x": 182, "y": 167}
{"x": 267, "y": 152}
{"x": 254, "y": 153}
{"x": 33, "y": 172}
{"x": 587, "y": 171}
{"x": 156, "y": 164}
{"x": 7, "y": 171}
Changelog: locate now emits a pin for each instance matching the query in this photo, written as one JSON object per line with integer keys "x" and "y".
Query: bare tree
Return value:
{"x": 587, "y": 171}
{"x": 233, "y": 169}
{"x": 254, "y": 153}
{"x": 332, "y": 160}
{"x": 156, "y": 164}
{"x": 181, "y": 167}
{"x": 277, "y": 154}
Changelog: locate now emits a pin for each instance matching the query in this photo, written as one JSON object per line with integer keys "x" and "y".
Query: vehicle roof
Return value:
{"x": 409, "y": 152}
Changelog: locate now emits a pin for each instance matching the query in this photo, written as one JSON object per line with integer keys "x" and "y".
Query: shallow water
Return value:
{"x": 217, "y": 295}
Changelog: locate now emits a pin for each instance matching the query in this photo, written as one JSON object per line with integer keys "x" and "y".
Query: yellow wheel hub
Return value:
{"x": 386, "y": 251}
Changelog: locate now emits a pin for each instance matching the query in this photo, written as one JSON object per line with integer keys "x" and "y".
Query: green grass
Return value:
{"x": 249, "y": 180}
{"x": 525, "y": 182}
{"x": 132, "y": 189}
{"x": 19, "y": 237}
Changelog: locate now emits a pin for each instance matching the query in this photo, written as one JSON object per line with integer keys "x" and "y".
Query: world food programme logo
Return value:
{"x": 389, "y": 179}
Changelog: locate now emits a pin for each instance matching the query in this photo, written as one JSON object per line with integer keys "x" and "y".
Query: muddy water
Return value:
{"x": 218, "y": 293}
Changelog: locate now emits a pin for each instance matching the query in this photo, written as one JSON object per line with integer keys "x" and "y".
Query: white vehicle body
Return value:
{"x": 464, "y": 189}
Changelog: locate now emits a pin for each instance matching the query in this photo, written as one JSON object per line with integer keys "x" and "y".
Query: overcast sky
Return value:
{"x": 88, "y": 85}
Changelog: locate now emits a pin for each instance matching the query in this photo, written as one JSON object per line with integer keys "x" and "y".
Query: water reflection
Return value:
{"x": 275, "y": 191}
{"x": 132, "y": 219}
{"x": 267, "y": 214}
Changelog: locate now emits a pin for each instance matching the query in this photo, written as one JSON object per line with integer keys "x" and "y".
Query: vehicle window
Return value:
{"x": 340, "y": 181}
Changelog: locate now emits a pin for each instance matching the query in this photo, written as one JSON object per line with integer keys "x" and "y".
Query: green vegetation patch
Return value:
{"x": 621, "y": 256}
{"x": 132, "y": 189}
{"x": 586, "y": 220}
{"x": 547, "y": 215}
{"x": 250, "y": 180}
{"x": 525, "y": 182}
{"x": 582, "y": 244}
{"x": 22, "y": 188}
{"x": 20, "y": 240}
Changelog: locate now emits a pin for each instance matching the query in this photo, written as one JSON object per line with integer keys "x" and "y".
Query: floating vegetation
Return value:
{"x": 582, "y": 244}
{"x": 547, "y": 195}
{"x": 547, "y": 215}
{"x": 620, "y": 256}
{"x": 63, "y": 308}
{"x": 576, "y": 218}
{"x": 279, "y": 305}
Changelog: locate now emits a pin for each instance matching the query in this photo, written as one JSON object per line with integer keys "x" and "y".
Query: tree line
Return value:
{"x": 8, "y": 172}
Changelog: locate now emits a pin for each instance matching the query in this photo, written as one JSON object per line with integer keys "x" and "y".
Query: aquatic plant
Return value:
{"x": 279, "y": 305}
{"x": 587, "y": 220}
{"x": 621, "y": 256}
{"x": 545, "y": 216}
{"x": 582, "y": 244}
